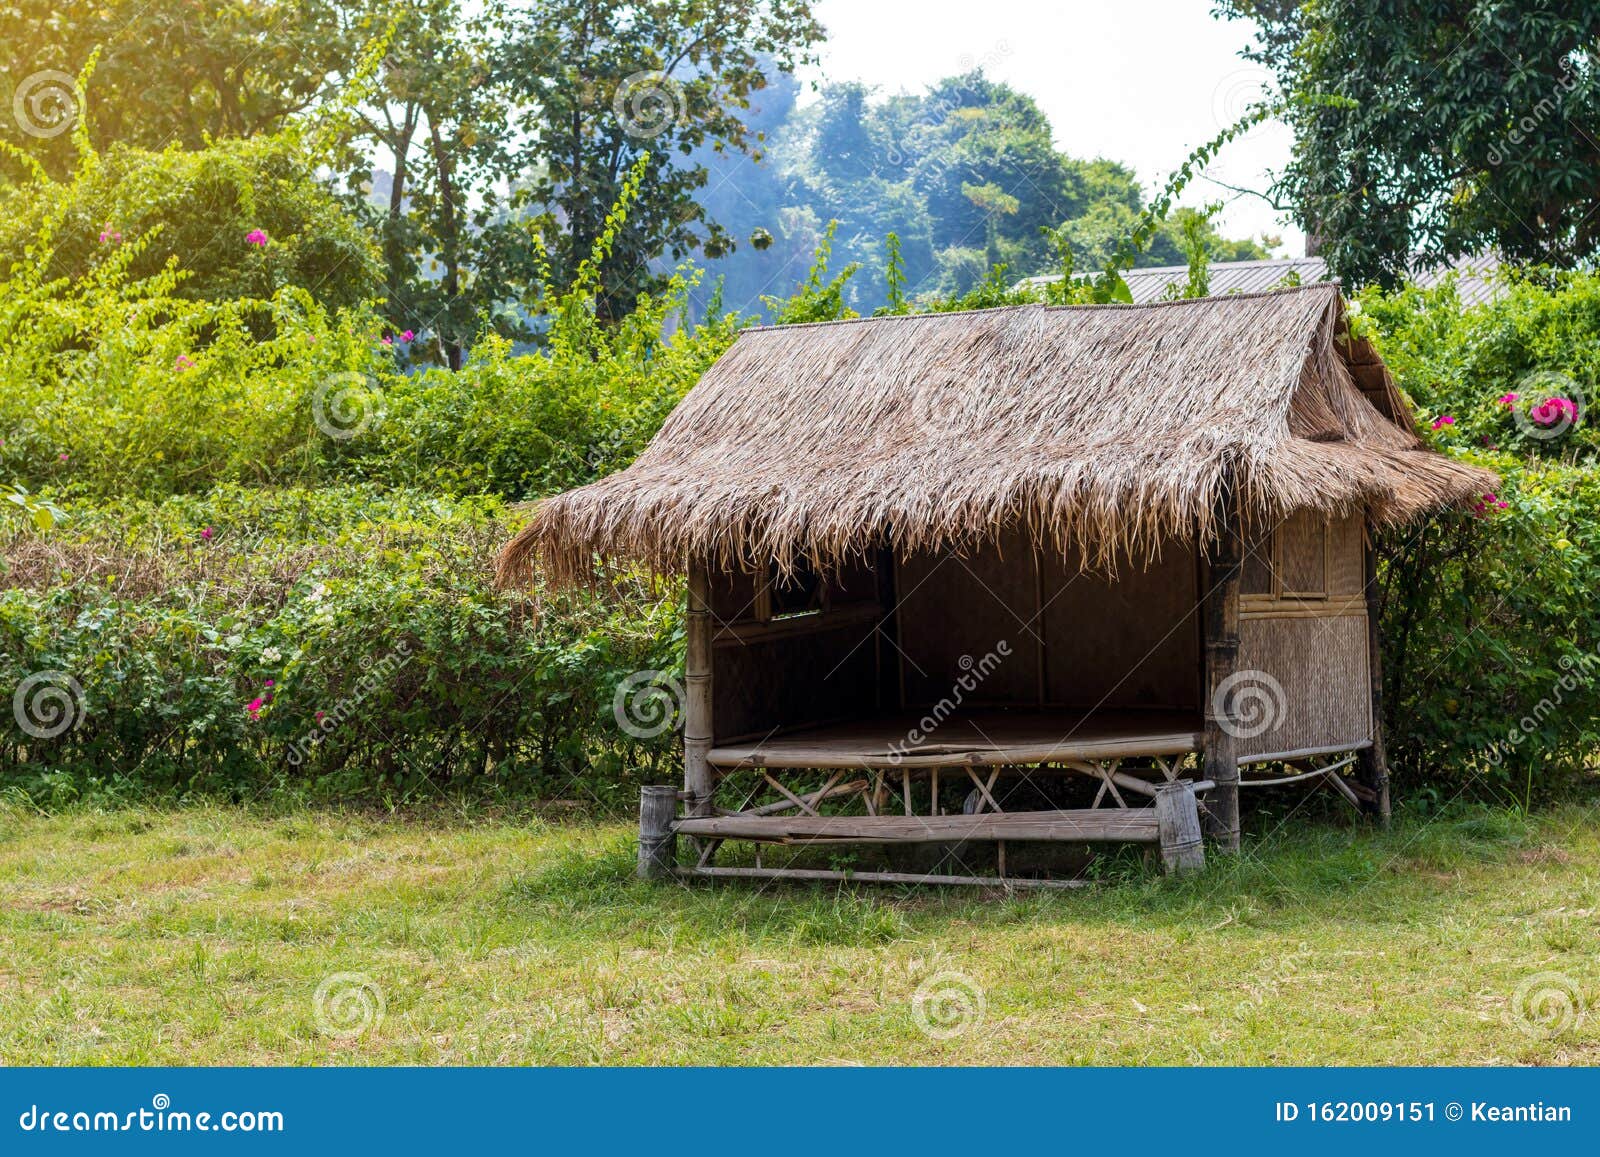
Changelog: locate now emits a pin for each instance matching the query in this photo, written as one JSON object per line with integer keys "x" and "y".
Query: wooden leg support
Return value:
{"x": 658, "y": 842}
{"x": 1178, "y": 817}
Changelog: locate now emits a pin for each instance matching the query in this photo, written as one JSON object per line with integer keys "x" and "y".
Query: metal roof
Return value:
{"x": 1474, "y": 282}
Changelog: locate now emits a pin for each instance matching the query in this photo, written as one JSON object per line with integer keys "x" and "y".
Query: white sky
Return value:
{"x": 1139, "y": 81}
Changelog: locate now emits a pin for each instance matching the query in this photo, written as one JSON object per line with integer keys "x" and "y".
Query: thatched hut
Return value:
{"x": 927, "y": 555}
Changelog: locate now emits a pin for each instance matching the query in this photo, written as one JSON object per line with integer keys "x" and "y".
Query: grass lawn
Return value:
{"x": 203, "y": 935}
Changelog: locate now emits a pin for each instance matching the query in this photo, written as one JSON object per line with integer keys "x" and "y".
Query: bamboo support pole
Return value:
{"x": 698, "y": 782}
{"x": 1220, "y": 619}
{"x": 1372, "y": 771}
{"x": 658, "y": 843}
{"x": 1178, "y": 817}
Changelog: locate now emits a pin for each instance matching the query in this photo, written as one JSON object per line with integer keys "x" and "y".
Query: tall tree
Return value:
{"x": 604, "y": 82}
{"x": 440, "y": 120}
{"x": 1439, "y": 127}
{"x": 169, "y": 71}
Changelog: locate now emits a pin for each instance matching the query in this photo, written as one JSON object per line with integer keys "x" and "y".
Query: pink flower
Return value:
{"x": 207, "y": 533}
{"x": 62, "y": 456}
{"x": 109, "y": 234}
{"x": 183, "y": 362}
{"x": 321, "y": 715}
{"x": 268, "y": 683}
{"x": 254, "y": 707}
{"x": 1443, "y": 420}
{"x": 1554, "y": 410}
{"x": 387, "y": 340}
{"x": 257, "y": 237}
{"x": 1507, "y": 399}
{"x": 408, "y": 336}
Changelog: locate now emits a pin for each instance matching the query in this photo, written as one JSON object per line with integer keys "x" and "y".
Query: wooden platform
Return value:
{"x": 1133, "y": 825}
{"x": 977, "y": 738}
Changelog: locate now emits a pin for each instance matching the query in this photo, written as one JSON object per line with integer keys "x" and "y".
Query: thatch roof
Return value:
{"x": 1110, "y": 427}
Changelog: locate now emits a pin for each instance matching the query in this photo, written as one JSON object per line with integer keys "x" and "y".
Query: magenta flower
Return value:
{"x": 387, "y": 340}
{"x": 1554, "y": 410}
{"x": 408, "y": 336}
{"x": 62, "y": 457}
{"x": 257, "y": 237}
{"x": 206, "y": 534}
{"x": 254, "y": 707}
{"x": 1507, "y": 399}
{"x": 268, "y": 683}
{"x": 1444, "y": 420}
{"x": 108, "y": 234}
{"x": 183, "y": 362}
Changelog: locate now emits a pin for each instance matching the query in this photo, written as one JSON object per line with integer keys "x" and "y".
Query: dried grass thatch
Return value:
{"x": 1113, "y": 428}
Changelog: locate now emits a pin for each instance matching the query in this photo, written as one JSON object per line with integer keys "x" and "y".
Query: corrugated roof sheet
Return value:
{"x": 1474, "y": 284}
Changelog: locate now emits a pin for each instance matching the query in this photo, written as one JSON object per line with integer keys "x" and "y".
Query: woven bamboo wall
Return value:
{"x": 1302, "y": 682}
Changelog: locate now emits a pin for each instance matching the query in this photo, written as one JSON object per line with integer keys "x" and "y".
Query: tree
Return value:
{"x": 440, "y": 119}
{"x": 606, "y": 82}
{"x": 169, "y": 71}
{"x": 1437, "y": 127}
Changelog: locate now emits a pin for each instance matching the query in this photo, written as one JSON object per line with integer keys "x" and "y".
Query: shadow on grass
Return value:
{"x": 1323, "y": 870}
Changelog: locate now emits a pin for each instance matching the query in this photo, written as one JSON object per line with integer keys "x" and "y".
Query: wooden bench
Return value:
{"x": 1172, "y": 823}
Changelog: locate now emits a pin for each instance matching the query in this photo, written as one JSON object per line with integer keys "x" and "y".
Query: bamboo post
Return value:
{"x": 698, "y": 784}
{"x": 1372, "y": 767}
{"x": 1178, "y": 819}
{"x": 1220, "y": 619}
{"x": 658, "y": 843}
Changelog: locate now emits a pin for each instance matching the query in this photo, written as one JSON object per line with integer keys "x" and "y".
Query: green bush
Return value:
{"x": 1492, "y": 625}
{"x": 198, "y": 209}
{"x": 342, "y": 642}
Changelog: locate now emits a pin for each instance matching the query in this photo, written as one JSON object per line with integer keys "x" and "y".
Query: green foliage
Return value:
{"x": 1492, "y": 629}
{"x": 169, "y": 72}
{"x": 115, "y": 384}
{"x": 598, "y": 86}
{"x": 342, "y": 641}
{"x": 1446, "y": 128}
{"x": 819, "y": 297}
{"x": 198, "y": 209}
